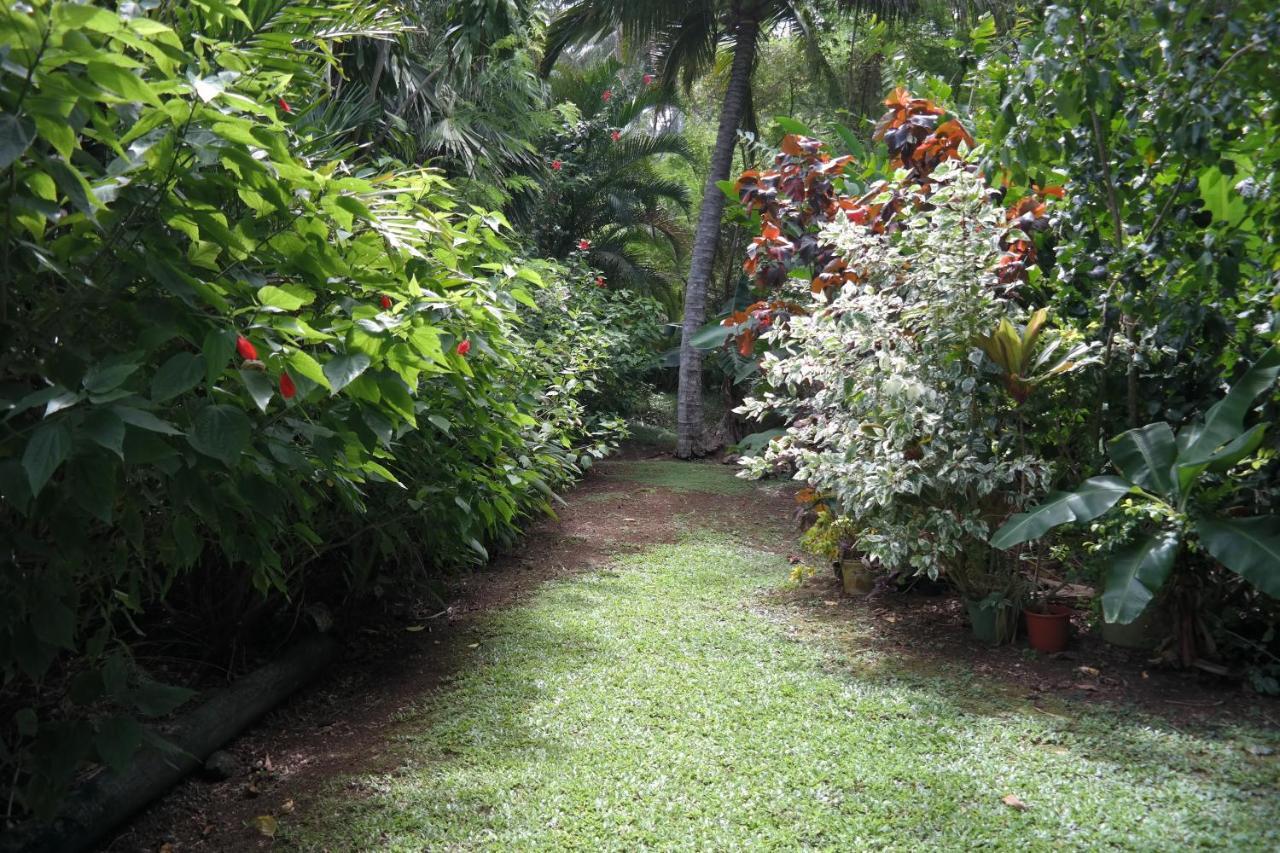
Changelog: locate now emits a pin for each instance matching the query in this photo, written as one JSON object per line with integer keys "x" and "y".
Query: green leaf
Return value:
{"x": 342, "y": 369}
{"x": 45, "y": 452}
{"x": 217, "y": 348}
{"x": 56, "y": 625}
{"x": 182, "y": 372}
{"x": 1136, "y": 573}
{"x": 155, "y": 699}
{"x": 258, "y": 386}
{"x": 116, "y": 742}
{"x": 101, "y": 378}
{"x": 290, "y": 297}
{"x": 304, "y": 365}
{"x": 123, "y": 82}
{"x": 1145, "y": 455}
{"x": 16, "y": 136}
{"x": 1250, "y": 547}
{"x": 105, "y": 429}
{"x": 711, "y": 336}
{"x": 222, "y": 432}
{"x": 1225, "y": 419}
{"x": 441, "y": 424}
{"x": 789, "y": 125}
{"x": 1094, "y": 497}
{"x": 145, "y": 420}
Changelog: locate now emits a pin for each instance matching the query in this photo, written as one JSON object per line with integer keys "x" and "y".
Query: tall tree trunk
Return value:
{"x": 689, "y": 423}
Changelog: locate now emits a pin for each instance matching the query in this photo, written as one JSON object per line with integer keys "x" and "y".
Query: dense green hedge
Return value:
{"x": 230, "y": 347}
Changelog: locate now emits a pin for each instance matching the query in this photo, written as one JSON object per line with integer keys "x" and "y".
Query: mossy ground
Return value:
{"x": 667, "y": 702}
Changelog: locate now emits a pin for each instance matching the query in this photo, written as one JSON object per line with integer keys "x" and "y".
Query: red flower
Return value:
{"x": 284, "y": 105}
{"x": 648, "y": 79}
{"x": 600, "y": 281}
{"x": 464, "y": 347}
{"x": 556, "y": 165}
{"x": 584, "y": 244}
{"x": 287, "y": 389}
{"x": 616, "y": 135}
{"x": 386, "y": 301}
{"x": 607, "y": 96}
{"x": 246, "y": 349}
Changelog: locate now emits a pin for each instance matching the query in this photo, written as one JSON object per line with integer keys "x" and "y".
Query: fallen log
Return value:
{"x": 109, "y": 799}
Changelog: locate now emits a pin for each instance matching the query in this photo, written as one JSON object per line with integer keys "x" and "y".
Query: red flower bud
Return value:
{"x": 616, "y": 135}
{"x": 464, "y": 347}
{"x": 607, "y": 96}
{"x": 246, "y": 349}
{"x": 648, "y": 79}
{"x": 287, "y": 389}
{"x": 599, "y": 281}
{"x": 386, "y": 301}
{"x": 556, "y": 165}
{"x": 284, "y": 105}
{"x": 584, "y": 244}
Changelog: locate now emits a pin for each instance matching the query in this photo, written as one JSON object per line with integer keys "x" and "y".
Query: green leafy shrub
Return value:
{"x": 226, "y": 350}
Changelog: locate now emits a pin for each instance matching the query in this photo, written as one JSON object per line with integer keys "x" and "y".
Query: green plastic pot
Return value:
{"x": 993, "y": 619}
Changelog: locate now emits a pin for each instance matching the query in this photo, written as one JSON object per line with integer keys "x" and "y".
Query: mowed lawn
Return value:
{"x": 662, "y": 704}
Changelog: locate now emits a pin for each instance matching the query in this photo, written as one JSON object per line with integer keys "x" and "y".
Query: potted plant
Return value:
{"x": 1048, "y": 622}
{"x": 1161, "y": 477}
{"x": 992, "y": 591}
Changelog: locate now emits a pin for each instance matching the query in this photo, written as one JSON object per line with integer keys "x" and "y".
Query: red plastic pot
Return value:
{"x": 1048, "y": 631}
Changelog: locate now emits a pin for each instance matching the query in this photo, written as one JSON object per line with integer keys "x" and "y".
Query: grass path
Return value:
{"x": 672, "y": 701}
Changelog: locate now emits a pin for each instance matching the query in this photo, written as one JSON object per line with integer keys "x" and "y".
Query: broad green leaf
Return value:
{"x": 1250, "y": 547}
{"x": 217, "y": 348}
{"x": 222, "y": 432}
{"x": 342, "y": 369}
{"x": 48, "y": 447}
{"x": 16, "y": 135}
{"x": 74, "y": 16}
{"x": 789, "y": 125}
{"x": 1094, "y": 497}
{"x": 1145, "y": 455}
{"x": 123, "y": 82}
{"x": 102, "y": 378}
{"x": 105, "y": 429}
{"x": 289, "y": 297}
{"x": 182, "y": 372}
{"x": 116, "y": 742}
{"x": 711, "y": 336}
{"x": 154, "y": 699}
{"x": 56, "y": 625}
{"x": 1136, "y": 573}
{"x": 1225, "y": 419}
{"x": 258, "y": 386}
{"x": 304, "y": 365}
{"x": 145, "y": 420}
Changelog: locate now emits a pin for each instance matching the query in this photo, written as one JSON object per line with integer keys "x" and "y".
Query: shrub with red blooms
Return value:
{"x": 584, "y": 244}
{"x": 556, "y": 165}
{"x": 615, "y": 135}
{"x": 600, "y": 281}
{"x": 287, "y": 389}
{"x": 284, "y": 105}
{"x": 464, "y": 347}
{"x": 385, "y": 302}
{"x": 607, "y": 96}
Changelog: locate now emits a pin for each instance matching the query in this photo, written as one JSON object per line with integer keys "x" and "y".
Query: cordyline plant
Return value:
{"x": 1168, "y": 472}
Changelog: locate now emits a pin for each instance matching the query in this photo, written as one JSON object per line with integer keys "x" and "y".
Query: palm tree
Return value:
{"x": 688, "y": 34}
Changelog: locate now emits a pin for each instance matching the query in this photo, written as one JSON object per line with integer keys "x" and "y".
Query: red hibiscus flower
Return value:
{"x": 648, "y": 79}
{"x": 287, "y": 389}
{"x": 616, "y": 135}
{"x": 584, "y": 244}
{"x": 464, "y": 347}
{"x": 386, "y": 301}
{"x": 607, "y": 96}
{"x": 246, "y": 349}
{"x": 600, "y": 281}
{"x": 284, "y": 105}
{"x": 556, "y": 165}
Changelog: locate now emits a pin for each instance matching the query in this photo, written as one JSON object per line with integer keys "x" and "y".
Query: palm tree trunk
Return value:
{"x": 689, "y": 421}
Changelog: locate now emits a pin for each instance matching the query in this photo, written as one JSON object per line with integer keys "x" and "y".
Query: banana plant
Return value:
{"x": 1014, "y": 352}
{"x": 1166, "y": 469}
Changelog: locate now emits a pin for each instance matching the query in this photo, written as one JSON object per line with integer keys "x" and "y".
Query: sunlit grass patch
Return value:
{"x": 656, "y": 706}
{"x": 681, "y": 476}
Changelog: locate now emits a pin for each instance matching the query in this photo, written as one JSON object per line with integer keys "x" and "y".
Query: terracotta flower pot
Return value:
{"x": 1048, "y": 631}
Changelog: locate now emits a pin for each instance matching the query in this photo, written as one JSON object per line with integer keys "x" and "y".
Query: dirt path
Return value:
{"x": 337, "y": 726}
